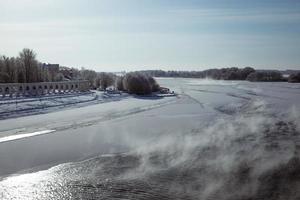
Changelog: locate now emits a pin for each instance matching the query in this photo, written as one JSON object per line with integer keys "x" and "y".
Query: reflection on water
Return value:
{"x": 92, "y": 179}
{"x": 25, "y": 135}
{"x": 244, "y": 158}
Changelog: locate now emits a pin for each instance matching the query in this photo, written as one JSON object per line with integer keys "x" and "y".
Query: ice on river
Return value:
{"x": 215, "y": 140}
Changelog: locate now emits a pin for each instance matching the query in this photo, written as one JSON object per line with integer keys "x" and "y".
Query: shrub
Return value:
{"x": 138, "y": 83}
{"x": 154, "y": 85}
{"x": 294, "y": 78}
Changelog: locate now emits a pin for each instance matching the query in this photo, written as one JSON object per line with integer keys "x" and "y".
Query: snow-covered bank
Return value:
{"x": 18, "y": 107}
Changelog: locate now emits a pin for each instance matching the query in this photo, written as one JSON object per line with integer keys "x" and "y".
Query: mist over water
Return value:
{"x": 246, "y": 147}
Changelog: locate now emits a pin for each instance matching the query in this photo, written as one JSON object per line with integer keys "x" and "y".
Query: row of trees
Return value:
{"x": 22, "y": 69}
{"x": 25, "y": 68}
{"x": 233, "y": 73}
{"x": 104, "y": 80}
{"x": 265, "y": 76}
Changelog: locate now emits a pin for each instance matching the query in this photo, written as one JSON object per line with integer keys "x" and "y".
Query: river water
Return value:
{"x": 216, "y": 140}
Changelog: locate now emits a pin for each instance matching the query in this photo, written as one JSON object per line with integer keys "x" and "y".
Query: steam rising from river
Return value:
{"x": 250, "y": 155}
{"x": 249, "y": 151}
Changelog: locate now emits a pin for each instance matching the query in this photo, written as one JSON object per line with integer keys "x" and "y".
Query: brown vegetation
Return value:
{"x": 294, "y": 78}
{"x": 138, "y": 83}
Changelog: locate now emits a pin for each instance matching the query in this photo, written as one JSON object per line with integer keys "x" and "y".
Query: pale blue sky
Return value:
{"x": 114, "y": 35}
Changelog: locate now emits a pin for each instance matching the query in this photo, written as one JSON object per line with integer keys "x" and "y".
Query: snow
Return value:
{"x": 237, "y": 118}
{"x": 17, "y": 107}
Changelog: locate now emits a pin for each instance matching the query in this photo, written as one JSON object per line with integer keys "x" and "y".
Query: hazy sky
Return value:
{"x": 114, "y": 35}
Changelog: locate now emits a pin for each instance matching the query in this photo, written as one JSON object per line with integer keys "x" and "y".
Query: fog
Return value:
{"x": 253, "y": 155}
{"x": 215, "y": 140}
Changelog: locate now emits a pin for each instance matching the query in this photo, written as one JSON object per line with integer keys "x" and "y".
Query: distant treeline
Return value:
{"x": 233, "y": 73}
{"x": 25, "y": 68}
{"x": 22, "y": 69}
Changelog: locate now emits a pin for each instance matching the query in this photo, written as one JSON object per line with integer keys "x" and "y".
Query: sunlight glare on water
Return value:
{"x": 39, "y": 185}
{"x": 25, "y": 135}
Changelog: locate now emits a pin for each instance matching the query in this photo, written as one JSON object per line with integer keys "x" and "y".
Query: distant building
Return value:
{"x": 69, "y": 73}
{"x": 51, "y": 67}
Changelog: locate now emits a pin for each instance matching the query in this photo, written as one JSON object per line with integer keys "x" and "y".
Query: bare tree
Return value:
{"x": 89, "y": 75}
{"x": 106, "y": 80}
{"x": 29, "y": 63}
